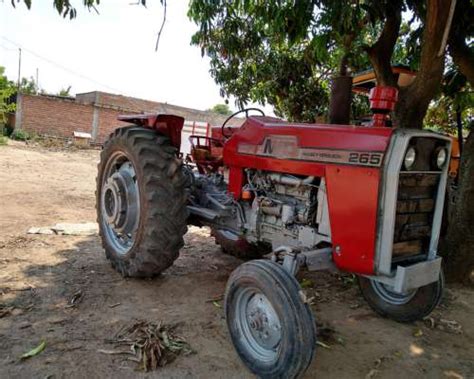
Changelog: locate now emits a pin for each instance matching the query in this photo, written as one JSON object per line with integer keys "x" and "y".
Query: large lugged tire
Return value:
{"x": 141, "y": 202}
{"x": 412, "y": 306}
{"x": 271, "y": 327}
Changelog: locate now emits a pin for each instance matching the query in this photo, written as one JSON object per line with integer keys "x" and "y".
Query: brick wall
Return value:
{"x": 53, "y": 116}
{"x": 131, "y": 104}
{"x": 95, "y": 113}
{"x": 107, "y": 123}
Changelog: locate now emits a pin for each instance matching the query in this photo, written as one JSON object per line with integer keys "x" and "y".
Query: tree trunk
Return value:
{"x": 380, "y": 54}
{"x": 415, "y": 98}
{"x": 458, "y": 246}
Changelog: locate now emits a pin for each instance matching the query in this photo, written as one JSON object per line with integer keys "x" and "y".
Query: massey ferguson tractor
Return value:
{"x": 366, "y": 200}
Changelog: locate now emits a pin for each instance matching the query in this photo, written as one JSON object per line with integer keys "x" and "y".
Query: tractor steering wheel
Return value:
{"x": 246, "y": 110}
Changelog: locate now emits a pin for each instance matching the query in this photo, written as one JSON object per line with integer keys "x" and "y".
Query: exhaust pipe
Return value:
{"x": 340, "y": 103}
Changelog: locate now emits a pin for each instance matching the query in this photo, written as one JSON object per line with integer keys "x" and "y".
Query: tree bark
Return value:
{"x": 380, "y": 54}
{"x": 458, "y": 245}
{"x": 457, "y": 248}
{"x": 415, "y": 98}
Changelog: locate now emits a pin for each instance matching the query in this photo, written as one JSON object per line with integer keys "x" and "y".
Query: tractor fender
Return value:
{"x": 166, "y": 124}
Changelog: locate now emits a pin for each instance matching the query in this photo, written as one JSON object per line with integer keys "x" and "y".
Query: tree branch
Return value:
{"x": 162, "y": 25}
{"x": 380, "y": 54}
{"x": 415, "y": 98}
{"x": 462, "y": 54}
{"x": 463, "y": 57}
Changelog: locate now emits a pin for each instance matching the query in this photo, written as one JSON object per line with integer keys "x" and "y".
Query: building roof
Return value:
{"x": 364, "y": 81}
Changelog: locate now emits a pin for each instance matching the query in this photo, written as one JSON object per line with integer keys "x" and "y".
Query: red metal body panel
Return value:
{"x": 353, "y": 199}
{"x": 352, "y": 189}
{"x": 216, "y": 131}
{"x": 344, "y": 137}
{"x": 166, "y": 124}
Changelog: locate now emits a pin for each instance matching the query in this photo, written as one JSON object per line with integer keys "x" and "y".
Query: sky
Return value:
{"x": 113, "y": 51}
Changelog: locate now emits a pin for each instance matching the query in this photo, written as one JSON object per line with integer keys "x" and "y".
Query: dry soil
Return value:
{"x": 39, "y": 274}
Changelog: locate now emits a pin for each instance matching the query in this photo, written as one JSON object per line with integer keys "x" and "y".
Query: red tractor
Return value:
{"x": 363, "y": 200}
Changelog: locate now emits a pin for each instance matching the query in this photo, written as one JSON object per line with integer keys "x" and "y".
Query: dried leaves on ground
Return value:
{"x": 75, "y": 299}
{"x": 450, "y": 326}
{"x": 152, "y": 344}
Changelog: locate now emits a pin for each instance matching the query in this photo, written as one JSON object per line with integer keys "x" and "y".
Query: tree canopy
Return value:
{"x": 222, "y": 109}
{"x": 65, "y": 92}
{"x": 7, "y": 89}
{"x": 284, "y": 52}
{"x": 456, "y": 98}
{"x": 64, "y": 7}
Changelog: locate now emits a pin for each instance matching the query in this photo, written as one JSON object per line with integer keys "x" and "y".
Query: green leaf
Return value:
{"x": 307, "y": 283}
{"x": 38, "y": 349}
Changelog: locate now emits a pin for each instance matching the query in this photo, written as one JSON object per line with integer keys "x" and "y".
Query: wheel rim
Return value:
{"x": 120, "y": 203}
{"x": 387, "y": 293}
{"x": 259, "y": 324}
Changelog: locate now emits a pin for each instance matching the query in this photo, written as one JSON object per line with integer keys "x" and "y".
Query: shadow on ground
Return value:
{"x": 40, "y": 275}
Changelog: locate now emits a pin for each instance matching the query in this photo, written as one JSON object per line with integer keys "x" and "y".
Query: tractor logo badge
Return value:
{"x": 267, "y": 150}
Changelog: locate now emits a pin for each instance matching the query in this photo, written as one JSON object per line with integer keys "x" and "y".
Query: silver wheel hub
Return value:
{"x": 120, "y": 203}
{"x": 388, "y": 294}
{"x": 259, "y": 324}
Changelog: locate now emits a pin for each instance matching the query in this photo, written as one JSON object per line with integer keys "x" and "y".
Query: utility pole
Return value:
{"x": 37, "y": 82}
{"x": 19, "y": 69}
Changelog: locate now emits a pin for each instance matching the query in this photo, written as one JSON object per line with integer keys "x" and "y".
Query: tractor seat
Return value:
{"x": 201, "y": 154}
{"x": 207, "y": 153}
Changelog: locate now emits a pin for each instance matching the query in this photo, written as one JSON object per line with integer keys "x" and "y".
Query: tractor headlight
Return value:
{"x": 441, "y": 157}
{"x": 410, "y": 157}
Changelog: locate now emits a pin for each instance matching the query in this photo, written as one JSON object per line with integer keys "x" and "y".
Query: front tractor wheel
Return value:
{"x": 141, "y": 202}
{"x": 270, "y": 325}
{"x": 402, "y": 307}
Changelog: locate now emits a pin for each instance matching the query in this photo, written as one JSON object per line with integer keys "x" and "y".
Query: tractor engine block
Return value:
{"x": 286, "y": 209}
{"x": 279, "y": 209}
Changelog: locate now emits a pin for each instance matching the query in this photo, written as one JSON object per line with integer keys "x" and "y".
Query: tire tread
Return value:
{"x": 163, "y": 219}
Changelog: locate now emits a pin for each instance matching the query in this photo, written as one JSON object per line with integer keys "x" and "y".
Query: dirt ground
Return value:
{"x": 40, "y": 273}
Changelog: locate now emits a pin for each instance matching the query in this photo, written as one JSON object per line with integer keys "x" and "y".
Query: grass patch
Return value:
{"x": 3, "y": 141}
{"x": 20, "y": 135}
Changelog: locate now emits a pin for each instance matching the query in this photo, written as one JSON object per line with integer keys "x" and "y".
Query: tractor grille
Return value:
{"x": 414, "y": 218}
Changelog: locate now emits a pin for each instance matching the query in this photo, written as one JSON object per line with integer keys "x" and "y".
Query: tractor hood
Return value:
{"x": 265, "y": 139}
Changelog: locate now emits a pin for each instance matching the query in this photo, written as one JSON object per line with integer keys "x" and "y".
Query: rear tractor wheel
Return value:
{"x": 141, "y": 202}
{"x": 271, "y": 326}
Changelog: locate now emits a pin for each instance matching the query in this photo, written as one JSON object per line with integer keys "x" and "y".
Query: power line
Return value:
{"x": 7, "y": 48}
{"x": 60, "y": 66}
